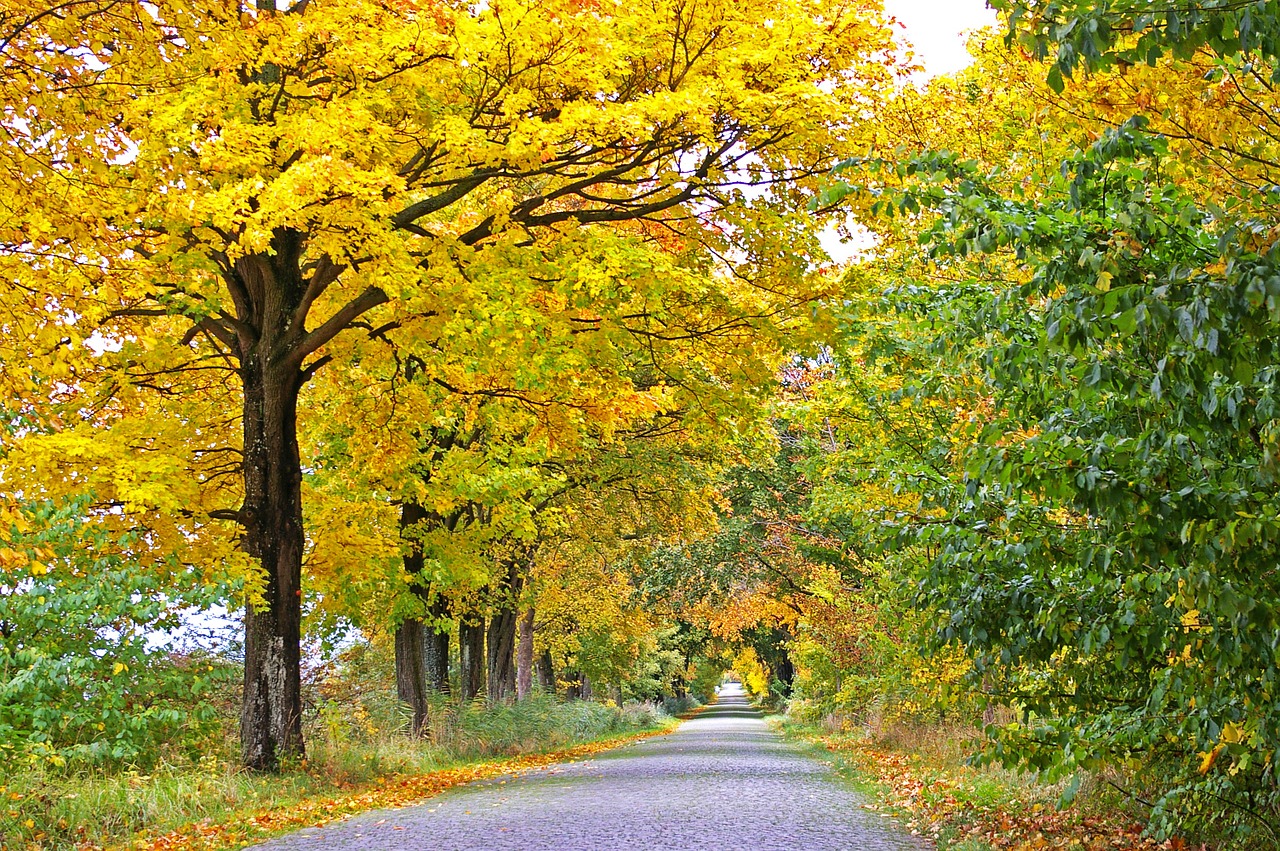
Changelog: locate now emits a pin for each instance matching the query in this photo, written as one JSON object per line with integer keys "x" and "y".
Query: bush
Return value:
{"x": 83, "y": 677}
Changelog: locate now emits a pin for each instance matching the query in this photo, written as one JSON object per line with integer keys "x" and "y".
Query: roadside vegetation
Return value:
{"x": 485, "y": 367}
{"x": 192, "y": 793}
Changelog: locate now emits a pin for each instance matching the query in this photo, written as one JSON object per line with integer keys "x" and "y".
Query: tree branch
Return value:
{"x": 366, "y": 301}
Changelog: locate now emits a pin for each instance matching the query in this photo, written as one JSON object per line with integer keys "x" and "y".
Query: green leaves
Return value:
{"x": 1096, "y": 35}
{"x": 1107, "y": 562}
{"x": 84, "y": 674}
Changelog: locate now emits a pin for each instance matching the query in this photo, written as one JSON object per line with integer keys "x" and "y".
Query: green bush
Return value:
{"x": 84, "y": 678}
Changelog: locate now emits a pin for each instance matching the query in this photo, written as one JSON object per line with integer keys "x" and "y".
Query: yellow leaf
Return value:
{"x": 1233, "y": 733}
{"x": 1207, "y": 759}
{"x": 118, "y": 668}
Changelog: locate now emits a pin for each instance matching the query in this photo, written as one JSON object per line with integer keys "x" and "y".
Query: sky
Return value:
{"x": 933, "y": 27}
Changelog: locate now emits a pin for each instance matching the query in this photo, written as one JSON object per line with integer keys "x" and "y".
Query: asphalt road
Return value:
{"x": 723, "y": 779}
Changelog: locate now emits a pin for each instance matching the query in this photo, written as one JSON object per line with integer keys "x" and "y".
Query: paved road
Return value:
{"x": 723, "y": 778}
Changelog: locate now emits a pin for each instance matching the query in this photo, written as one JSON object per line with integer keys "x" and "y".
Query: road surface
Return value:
{"x": 723, "y": 779}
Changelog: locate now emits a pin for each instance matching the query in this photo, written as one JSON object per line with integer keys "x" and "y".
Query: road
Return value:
{"x": 723, "y": 778}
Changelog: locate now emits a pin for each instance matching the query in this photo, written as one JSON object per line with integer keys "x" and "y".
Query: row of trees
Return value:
{"x": 398, "y": 312}
{"x": 452, "y": 320}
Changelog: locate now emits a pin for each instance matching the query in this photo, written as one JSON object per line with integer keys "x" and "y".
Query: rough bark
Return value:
{"x": 471, "y": 655}
{"x": 271, "y": 515}
{"x": 435, "y": 646}
{"x": 502, "y": 646}
{"x": 411, "y": 680}
{"x": 524, "y": 655}
{"x": 270, "y": 342}
{"x": 502, "y": 627}
{"x": 546, "y": 672}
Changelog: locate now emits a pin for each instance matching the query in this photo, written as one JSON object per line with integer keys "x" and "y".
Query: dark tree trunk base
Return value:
{"x": 411, "y": 681}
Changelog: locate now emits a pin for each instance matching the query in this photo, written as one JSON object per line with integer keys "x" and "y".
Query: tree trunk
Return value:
{"x": 502, "y": 628}
{"x": 502, "y": 646}
{"x": 546, "y": 672}
{"x": 271, "y": 516}
{"x": 435, "y": 646}
{"x": 471, "y": 655}
{"x": 524, "y": 655}
{"x": 411, "y": 680}
{"x": 270, "y": 342}
{"x": 579, "y": 687}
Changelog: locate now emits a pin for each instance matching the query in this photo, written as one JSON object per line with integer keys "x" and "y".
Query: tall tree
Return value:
{"x": 253, "y": 182}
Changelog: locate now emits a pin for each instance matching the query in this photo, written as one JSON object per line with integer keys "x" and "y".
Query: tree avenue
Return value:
{"x": 484, "y": 366}
{"x": 208, "y": 203}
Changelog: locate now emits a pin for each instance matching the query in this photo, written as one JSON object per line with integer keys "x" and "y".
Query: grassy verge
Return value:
{"x": 211, "y": 805}
{"x": 919, "y": 776}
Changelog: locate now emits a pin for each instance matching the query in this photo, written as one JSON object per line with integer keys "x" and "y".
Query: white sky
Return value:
{"x": 934, "y": 29}
{"x": 937, "y": 32}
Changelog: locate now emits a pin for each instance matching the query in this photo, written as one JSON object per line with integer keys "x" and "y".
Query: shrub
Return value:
{"x": 84, "y": 674}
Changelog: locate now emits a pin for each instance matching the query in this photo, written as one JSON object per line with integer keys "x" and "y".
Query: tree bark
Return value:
{"x": 502, "y": 646}
{"x": 411, "y": 680}
{"x": 546, "y": 672}
{"x": 270, "y": 342}
{"x": 579, "y": 687}
{"x": 471, "y": 655}
{"x": 271, "y": 515}
{"x": 411, "y": 677}
{"x": 524, "y": 655}
{"x": 502, "y": 629}
{"x": 435, "y": 645}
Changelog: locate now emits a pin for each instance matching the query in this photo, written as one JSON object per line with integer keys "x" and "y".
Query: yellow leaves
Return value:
{"x": 118, "y": 668}
{"x": 1234, "y": 732}
{"x": 1208, "y": 758}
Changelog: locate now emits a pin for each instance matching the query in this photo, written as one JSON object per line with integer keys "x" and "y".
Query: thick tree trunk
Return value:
{"x": 524, "y": 655}
{"x": 270, "y": 342}
{"x": 411, "y": 677}
{"x": 271, "y": 516}
{"x": 435, "y": 646}
{"x": 546, "y": 672}
{"x": 502, "y": 629}
{"x": 411, "y": 680}
{"x": 502, "y": 646}
{"x": 471, "y": 655}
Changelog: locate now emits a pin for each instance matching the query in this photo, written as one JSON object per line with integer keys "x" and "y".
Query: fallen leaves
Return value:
{"x": 931, "y": 803}
{"x": 387, "y": 793}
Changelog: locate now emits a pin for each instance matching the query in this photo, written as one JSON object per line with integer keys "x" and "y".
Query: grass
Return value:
{"x": 352, "y": 764}
{"x": 919, "y": 775}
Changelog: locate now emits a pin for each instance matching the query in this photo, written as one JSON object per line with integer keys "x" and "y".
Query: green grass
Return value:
{"x": 57, "y": 809}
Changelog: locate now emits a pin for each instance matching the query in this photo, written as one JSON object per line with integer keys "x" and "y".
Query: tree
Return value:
{"x": 1104, "y": 562}
{"x": 242, "y": 185}
{"x": 1101, "y": 35}
{"x": 84, "y": 680}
